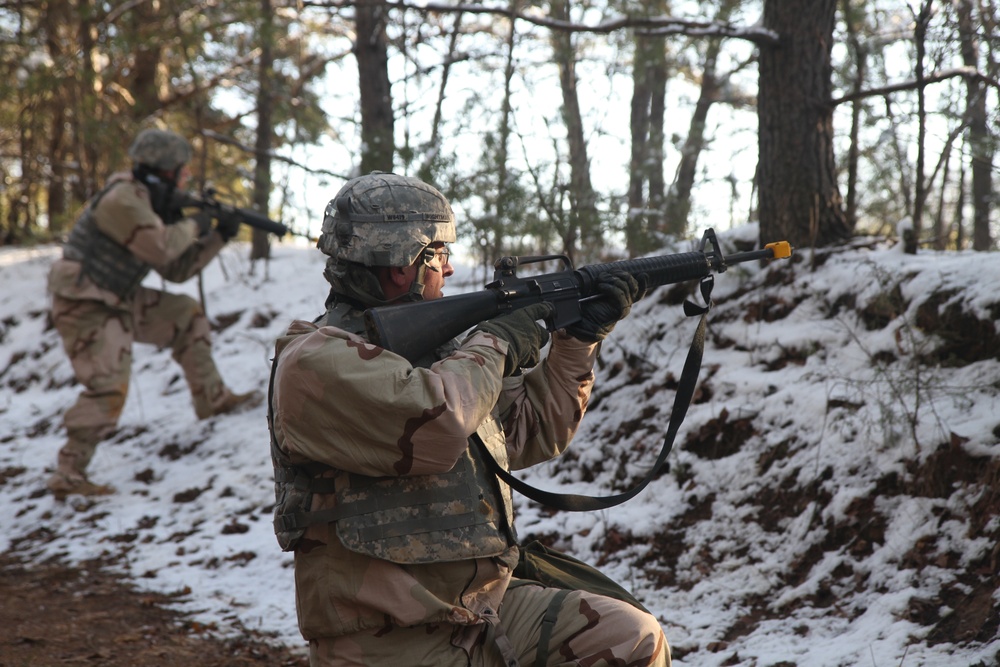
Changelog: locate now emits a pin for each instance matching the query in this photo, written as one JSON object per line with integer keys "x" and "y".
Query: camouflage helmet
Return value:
{"x": 160, "y": 149}
{"x": 384, "y": 219}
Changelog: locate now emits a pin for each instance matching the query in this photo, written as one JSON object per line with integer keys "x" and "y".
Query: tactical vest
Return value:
{"x": 461, "y": 514}
{"x": 107, "y": 263}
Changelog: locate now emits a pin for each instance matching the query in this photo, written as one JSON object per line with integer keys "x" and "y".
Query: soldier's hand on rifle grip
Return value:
{"x": 617, "y": 292}
{"x": 204, "y": 220}
{"x": 525, "y": 337}
{"x": 227, "y": 224}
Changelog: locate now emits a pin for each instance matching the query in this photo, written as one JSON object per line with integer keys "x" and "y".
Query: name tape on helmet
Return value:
{"x": 400, "y": 217}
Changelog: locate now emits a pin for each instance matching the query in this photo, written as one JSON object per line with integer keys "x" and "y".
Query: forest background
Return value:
{"x": 593, "y": 129}
{"x": 597, "y": 130}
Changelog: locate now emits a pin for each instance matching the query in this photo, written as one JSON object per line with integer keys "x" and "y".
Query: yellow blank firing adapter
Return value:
{"x": 781, "y": 249}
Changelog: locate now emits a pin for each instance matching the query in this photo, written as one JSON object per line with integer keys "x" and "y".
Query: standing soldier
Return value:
{"x": 100, "y": 308}
{"x": 404, "y": 541}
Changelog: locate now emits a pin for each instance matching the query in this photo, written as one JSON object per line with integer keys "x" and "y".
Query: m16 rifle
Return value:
{"x": 219, "y": 211}
{"x": 440, "y": 320}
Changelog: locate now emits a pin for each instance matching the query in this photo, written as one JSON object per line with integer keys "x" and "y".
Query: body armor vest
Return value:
{"x": 106, "y": 262}
{"x": 461, "y": 514}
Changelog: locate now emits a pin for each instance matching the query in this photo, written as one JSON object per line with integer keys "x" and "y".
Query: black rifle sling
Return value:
{"x": 572, "y": 502}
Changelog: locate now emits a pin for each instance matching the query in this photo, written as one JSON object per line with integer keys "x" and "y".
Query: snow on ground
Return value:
{"x": 821, "y": 506}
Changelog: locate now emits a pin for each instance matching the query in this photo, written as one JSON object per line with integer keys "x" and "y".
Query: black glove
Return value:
{"x": 204, "y": 220}
{"x": 524, "y": 336}
{"x": 227, "y": 224}
{"x": 618, "y": 292}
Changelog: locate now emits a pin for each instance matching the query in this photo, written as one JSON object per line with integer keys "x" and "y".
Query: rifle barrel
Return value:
{"x": 661, "y": 270}
{"x": 246, "y": 216}
{"x": 776, "y": 250}
{"x": 258, "y": 221}
{"x": 670, "y": 269}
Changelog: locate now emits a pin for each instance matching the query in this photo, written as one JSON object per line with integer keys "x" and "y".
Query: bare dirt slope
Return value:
{"x": 54, "y": 614}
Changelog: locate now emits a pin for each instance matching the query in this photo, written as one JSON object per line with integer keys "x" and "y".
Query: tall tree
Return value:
{"x": 921, "y": 22}
{"x": 646, "y": 181}
{"x": 57, "y": 150}
{"x": 799, "y": 198}
{"x": 678, "y": 200}
{"x": 266, "y": 35}
{"x": 377, "y": 119}
{"x": 854, "y": 17}
{"x": 503, "y": 205}
{"x": 583, "y": 225}
{"x": 983, "y": 147}
{"x": 429, "y": 168}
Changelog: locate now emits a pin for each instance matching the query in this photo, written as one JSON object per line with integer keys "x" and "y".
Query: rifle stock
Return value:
{"x": 440, "y": 321}
{"x": 413, "y": 330}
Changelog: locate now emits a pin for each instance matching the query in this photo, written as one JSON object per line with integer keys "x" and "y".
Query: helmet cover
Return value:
{"x": 384, "y": 219}
{"x": 160, "y": 149}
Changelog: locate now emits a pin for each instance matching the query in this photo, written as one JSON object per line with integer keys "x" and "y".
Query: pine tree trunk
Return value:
{"x": 979, "y": 135}
{"x": 261, "y": 246}
{"x": 584, "y": 225}
{"x": 799, "y": 198}
{"x": 377, "y": 121}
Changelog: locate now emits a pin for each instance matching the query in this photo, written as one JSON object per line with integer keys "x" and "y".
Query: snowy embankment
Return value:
{"x": 833, "y": 497}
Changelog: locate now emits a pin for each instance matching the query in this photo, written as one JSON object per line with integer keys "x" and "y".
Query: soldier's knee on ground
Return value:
{"x": 620, "y": 631}
{"x": 650, "y": 639}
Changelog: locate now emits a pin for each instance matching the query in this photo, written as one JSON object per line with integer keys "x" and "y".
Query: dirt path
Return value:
{"x": 53, "y": 615}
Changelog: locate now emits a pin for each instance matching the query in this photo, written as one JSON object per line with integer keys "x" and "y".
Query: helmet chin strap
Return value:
{"x": 416, "y": 291}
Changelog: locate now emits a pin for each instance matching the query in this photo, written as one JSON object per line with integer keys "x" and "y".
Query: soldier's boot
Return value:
{"x": 64, "y": 483}
{"x": 230, "y": 403}
{"x": 74, "y": 457}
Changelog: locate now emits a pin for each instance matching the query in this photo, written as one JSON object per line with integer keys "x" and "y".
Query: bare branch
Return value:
{"x": 937, "y": 77}
{"x": 223, "y": 139}
{"x": 653, "y": 25}
{"x": 117, "y": 12}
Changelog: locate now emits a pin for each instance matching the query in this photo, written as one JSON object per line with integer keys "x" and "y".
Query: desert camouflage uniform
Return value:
{"x": 98, "y": 325}
{"x": 350, "y": 406}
